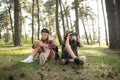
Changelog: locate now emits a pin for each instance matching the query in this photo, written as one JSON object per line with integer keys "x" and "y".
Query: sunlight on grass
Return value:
{"x": 91, "y": 51}
{"x": 102, "y": 64}
{"x": 15, "y": 50}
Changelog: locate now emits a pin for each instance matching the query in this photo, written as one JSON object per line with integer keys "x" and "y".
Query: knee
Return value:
{"x": 83, "y": 58}
{"x": 37, "y": 43}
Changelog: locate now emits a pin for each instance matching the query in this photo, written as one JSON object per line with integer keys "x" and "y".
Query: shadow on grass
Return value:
{"x": 18, "y": 70}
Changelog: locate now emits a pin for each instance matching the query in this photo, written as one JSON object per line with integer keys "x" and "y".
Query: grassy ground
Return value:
{"x": 102, "y": 64}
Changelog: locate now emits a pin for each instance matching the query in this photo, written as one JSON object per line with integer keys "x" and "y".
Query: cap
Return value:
{"x": 67, "y": 32}
{"x": 45, "y": 31}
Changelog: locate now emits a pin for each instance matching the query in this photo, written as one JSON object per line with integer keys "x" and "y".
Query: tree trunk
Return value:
{"x": 65, "y": 11}
{"x": 76, "y": 15}
{"x": 104, "y": 23}
{"x": 90, "y": 37}
{"x": 57, "y": 24}
{"x": 33, "y": 21}
{"x": 118, "y": 21}
{"x": 20, "y": 25}
{"x": 85, "y": 31}
{"x": 62, "y": 16}
{"x": 10, "y": 16}
{"x": 17, "y": 34}
{"x": 71, "y": 27}
{"x": 7, "y": 35}
{"x": 38, "y": 10}
{"x": 110, "y": 8}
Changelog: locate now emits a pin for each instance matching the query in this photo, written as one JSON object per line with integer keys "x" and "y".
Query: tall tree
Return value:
{"x": 9, "y": 5}
{"x": 66, "y": 13}
{"x": 85, "y": 15}
{"x": 57, "y": 24}
{"x": 113, "y": 23}
{"x": 76, "y": 15}
{"x": 86, "y": 35}
{"x": 38, "y": 10}
{"x": 33, "y": 21}
{"x": 90, "y": 36}
{"x": 62, "y": 16}
{"x": 117, "y": 3}
{"x": 17, "y": 35}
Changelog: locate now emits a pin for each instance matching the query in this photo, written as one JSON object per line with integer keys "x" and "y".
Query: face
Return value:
{"x": 70, "y": 36}
{"x": 44, "y": 35}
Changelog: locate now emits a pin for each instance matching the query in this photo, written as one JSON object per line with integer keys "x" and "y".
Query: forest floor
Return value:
{"x": 102, "y": 64}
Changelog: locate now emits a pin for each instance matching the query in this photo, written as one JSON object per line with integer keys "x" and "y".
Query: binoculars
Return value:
{"x": 74, "y": 33}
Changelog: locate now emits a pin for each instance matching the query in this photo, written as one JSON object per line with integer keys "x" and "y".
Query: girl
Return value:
{"x": 45, "y": 47}
{"x": 69, "y": 49}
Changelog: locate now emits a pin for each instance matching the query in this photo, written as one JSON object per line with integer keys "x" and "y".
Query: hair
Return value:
{"x": 66, "y": 33}
{"x": 45, "y": 31}
{"x": 46, "y": 41}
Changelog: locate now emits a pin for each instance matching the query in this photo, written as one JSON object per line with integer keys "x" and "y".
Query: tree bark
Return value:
{"x": 38, "y": 10}
{"x": 20, "y": 32}
{"x": 65, "y": 12}
{"x": 76, "y": 15}
{"x": 10, "y": 16}
{"x": 33, "y": 21}
{"x": 71, "y": 25}
{"x": 57, "y": 24}
{"x": 117, "y": 4}
{"x": 110, "y": 8}
{"x": 85, "y": 31}
{"x": 17, "y": 19}
{"x": 62, "y": 16}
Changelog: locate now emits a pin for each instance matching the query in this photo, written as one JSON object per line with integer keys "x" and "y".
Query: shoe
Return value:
{"x": 42, "y": 59}
{"x": 27, "y": 60}
{"x": 78, "y": 61}
{"x": 64, "y": 61}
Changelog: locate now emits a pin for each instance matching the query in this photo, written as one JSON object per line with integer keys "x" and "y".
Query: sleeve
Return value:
{"x": 51, "y": 44}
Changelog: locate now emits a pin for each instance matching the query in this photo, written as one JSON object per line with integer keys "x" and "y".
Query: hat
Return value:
{"x": 45, "y": 31}
{"x": 67, "y": 32}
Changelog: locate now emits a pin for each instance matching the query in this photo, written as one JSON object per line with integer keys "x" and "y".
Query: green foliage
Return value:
{"x": 50, "y": 7}
{"x": 56, "y": 40}
{"x": 26, "y": 39}
{"x": 3, "y": 19}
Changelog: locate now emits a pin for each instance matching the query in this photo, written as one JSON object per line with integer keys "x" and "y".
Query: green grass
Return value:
{"x": 102, "y": 64}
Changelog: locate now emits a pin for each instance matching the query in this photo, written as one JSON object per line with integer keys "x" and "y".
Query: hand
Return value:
{"x": 68, "y": 36}
{"x": 40, "y": 43}
{"x": 36, "y": 43}
{"x": 78, "y": 37}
